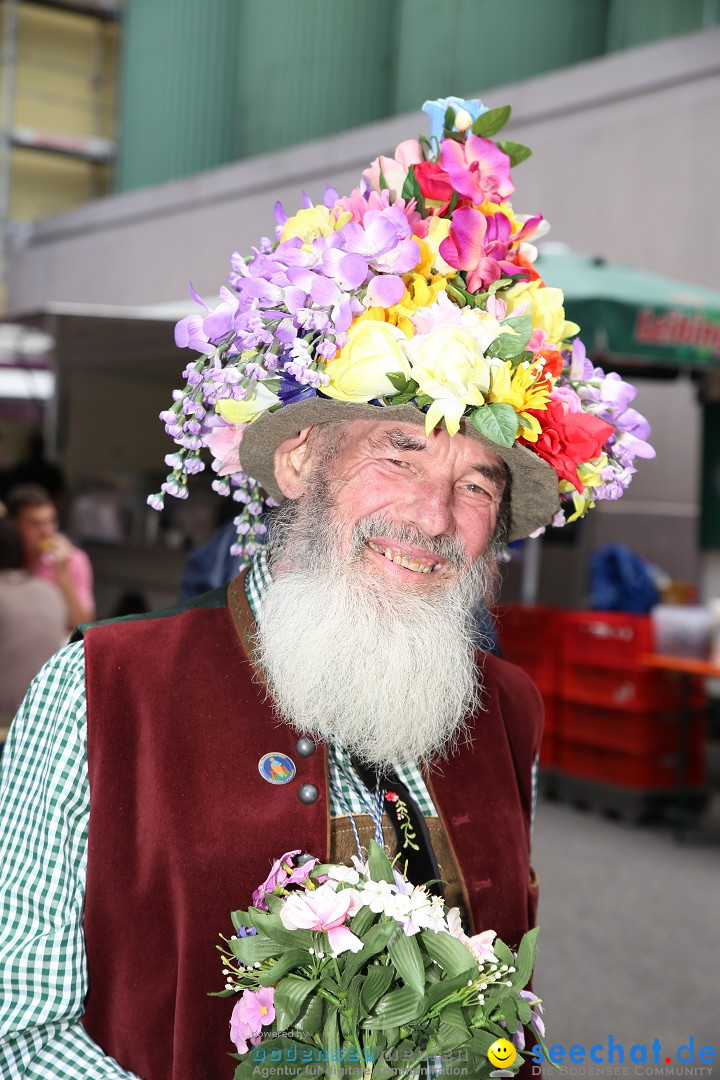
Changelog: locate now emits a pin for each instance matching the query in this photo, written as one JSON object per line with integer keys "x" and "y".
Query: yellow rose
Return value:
{"x": 259, "y": 400}
{"x": 312, "y": 222}
{"x": 450, "y": 368}
{"x": 545, "y": 306}
{"x": 359, "y": 371}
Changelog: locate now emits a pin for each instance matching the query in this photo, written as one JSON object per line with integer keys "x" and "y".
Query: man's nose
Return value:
{"x": 432, "y": 508}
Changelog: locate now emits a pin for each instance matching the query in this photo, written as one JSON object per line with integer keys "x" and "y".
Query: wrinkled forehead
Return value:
{"x": 461, "y": 452}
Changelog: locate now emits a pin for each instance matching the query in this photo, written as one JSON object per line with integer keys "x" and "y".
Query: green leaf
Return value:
{"x": 361, "y": 923}
{"x": 508, "y": 1012}
{"x": 289, "y": 997}
{"x": 221, "y": 993}
{"x": 279, "y": 1053}
{"x": 331, "y": 1034}
{"x": 411, "y": 190}
{"x": 382, "y": 181}
{"x": 491, "y": 121}
{"x": 396, "y": 1008}
{"x": 375, "y": 941}
{"x": 271, "y": 926}
{"x": 523, "y": 1010}
{"x": 449, "y": 118}
{"x": 502, "y": 952}
{"x": 293, "y": 958}
{"x": 312, "y": 1016}
{"x": 240, "y": 918}
{"x": 516, "y": 151}
{"x": 379, "y": 864}
{"x": 452, "y": 1031}
{"x": 482, "y": 1041}
{"x": 445, "y": 988}
{"x": 497, "y": 422}
{"x": 523, "y": 327}
{"x": 354, "y": 1005}
{"x": 407, "y": 960}
{"x": 398, "y": 380}
{"x": 376, "y": 983}
{"x": 449, "y": 953}
{"x": 505, "y": 346}
{"x": 250, "y": 950}
{"x": 525, "y": 959}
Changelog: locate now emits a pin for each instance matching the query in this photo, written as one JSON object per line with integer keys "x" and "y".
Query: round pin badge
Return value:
{"x": 276, "y": 768}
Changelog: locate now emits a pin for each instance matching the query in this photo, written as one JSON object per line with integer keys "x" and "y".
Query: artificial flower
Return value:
{"x": 258, "y": 400}
{"x": 391, "y": 173}
{"x": 312, "y": 222}
{"x": 544, "y": 305}
{"x": 568, "y": 439}
{"x": 449, "y": 367}
{"x": 360, "y": 369}
{"x": 223, "y": 442}
{"x": 478, "y": 168}
{"x": 437, "y": 109}
{"x": 324, "y": 909}
{"x": 254, "y": 1009}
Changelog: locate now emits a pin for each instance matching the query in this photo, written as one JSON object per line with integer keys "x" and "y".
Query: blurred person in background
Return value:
{"x": 33, "y": 622}
{"x": 34, "y": 468}
{"x": 49, "y": 555}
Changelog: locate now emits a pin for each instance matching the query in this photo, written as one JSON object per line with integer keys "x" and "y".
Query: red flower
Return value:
{"x": 391, "y": 796}
{"x": 553, "y": 361}
{"x": 568, "y": 439}
{"x": 434, "y": 183}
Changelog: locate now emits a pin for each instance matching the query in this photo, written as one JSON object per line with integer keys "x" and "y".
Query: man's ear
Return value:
{"x": 291, "y": 464}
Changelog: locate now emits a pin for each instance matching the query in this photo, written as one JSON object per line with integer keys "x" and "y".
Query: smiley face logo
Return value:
{"x": 502, "y": 1053}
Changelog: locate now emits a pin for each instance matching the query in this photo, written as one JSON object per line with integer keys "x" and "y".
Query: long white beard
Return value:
{"x": 385, "y": 670}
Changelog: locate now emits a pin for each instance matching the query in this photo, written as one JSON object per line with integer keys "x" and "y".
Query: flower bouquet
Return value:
{"x": 354, "y": 971}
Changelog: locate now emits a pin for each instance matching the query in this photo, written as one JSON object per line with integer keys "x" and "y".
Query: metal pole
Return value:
{"x": 9, "y": 57}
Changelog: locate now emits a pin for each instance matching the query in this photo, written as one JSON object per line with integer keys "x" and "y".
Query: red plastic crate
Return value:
{"x": 605, "y": 638}
{"x": 529, "y": 637}
{"x": 651, "y": 734}
{"x": 633, "y": 688}
{"x": 635, "y": 771}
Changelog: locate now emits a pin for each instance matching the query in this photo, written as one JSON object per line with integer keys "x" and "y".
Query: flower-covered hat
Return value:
{"x": 415, "y": 294}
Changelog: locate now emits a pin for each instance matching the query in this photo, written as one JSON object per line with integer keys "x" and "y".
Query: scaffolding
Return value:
{"x": 37, "y": 81}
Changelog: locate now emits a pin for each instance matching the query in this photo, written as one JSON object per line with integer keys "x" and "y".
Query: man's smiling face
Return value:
{"x": 432, "y": 487}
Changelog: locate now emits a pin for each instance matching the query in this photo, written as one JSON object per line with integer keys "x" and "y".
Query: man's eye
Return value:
{"x": 480, "y": 493}
{"x": 397, "y": 461}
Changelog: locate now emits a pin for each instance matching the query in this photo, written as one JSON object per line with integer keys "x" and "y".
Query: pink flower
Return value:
{"x": 324, "y": 909}
{"x": 395, "y": 169}
{"x": 223, "y": 443}
{"x": 477, "y": 168}
{"x": 254, "y": 1009}
{"x": 282, "y": 873}
{"x": 479, "y": 246}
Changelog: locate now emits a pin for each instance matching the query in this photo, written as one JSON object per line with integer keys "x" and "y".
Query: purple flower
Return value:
{"x": 282, "y": 872}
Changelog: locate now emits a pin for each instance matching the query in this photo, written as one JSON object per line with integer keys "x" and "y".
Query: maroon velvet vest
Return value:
{"x": 183, "y": 827}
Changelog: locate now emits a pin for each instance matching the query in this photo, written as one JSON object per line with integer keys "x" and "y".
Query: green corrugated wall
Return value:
{"x": 209, "y": 81}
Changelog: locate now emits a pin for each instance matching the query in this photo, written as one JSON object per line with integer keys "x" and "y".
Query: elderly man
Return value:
{"x": 368, "y": 379}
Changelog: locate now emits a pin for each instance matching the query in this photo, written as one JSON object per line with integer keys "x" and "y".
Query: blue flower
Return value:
{"x": 436, "y": 112}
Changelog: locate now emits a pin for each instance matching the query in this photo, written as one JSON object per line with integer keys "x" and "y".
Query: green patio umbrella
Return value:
{"x": 633, "y": 317}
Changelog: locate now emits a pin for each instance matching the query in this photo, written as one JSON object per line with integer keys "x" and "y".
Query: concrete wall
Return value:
{"x": 626, "y": 164}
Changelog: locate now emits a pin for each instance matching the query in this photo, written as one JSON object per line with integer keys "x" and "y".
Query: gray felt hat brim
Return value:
{"x": 535, "y": 497}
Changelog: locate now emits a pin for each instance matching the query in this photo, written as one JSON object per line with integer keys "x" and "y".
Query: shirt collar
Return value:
{"x": 257, "y": 580}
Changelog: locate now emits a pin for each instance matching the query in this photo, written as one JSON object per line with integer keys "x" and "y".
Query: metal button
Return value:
{"x": 308, "y": 794}
{"x": 305, "y": 746}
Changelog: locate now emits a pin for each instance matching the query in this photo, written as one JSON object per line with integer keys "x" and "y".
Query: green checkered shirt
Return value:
{"x": 44, "y": 810}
